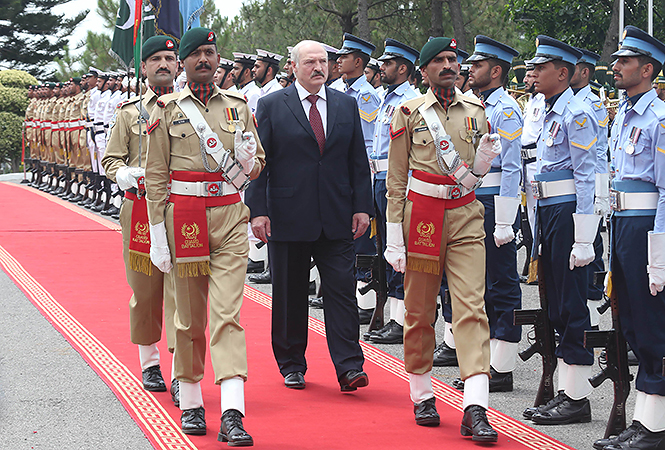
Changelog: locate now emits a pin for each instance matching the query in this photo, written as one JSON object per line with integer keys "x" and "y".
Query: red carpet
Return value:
{"x": 69, "y": 264}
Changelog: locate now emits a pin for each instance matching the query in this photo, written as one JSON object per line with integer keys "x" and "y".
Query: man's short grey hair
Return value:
{"x": 295, "y": 53}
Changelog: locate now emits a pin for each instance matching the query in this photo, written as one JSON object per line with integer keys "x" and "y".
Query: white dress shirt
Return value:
{"x": 321, "y": 104}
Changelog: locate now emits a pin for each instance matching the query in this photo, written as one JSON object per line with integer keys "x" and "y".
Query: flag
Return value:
{"x": 167, "y": 18}
{"x": 191, "y": 10}
{"x": 122, "y": 45}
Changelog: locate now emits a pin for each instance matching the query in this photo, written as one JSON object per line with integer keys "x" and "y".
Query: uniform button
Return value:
{"x": 182, "y": 135}
{"x": 207, "y": 110}
{"x": 424, "y": 141}
{"x": 144, "y": 132}
{"x": 546, "y": 120}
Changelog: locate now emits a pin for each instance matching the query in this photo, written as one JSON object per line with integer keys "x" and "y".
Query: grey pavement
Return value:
{"x": 51, "y": 399}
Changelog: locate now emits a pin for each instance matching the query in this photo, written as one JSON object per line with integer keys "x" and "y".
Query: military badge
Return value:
{"x": 406, "y": 110}
{"x": 160, "y": 104}
{"x": 554, "y": 130}
{"x": 471, "y": 129}
{"x": 152, "y": 126}
{"x": 634, "y": 136}
{"x": 232, "y": 118}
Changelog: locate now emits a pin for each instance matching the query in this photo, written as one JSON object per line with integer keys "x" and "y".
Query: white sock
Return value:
{"x": 653, "y": 413}
{"x": 233, "y": 394}
{"x": 367, "y": 301}
{"x": 577, "y": 382}
{"x": 173, "y": 367}
{"x": 448, "y": 337}
{"x": 420, "y": 387}
{"x": 148, "y": 356}
{"x": 477, "y": 391}
{"x": 190, "y": 395}
{"x": 503, "y": 356}
{"x": 594, "y": 315}
{"x": 397, "y": 310}
{"x": 640, "y": 398}
{"x": 563, "y": 374}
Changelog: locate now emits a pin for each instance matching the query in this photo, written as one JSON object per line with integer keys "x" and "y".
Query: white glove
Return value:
{"x": 601, "y": 205}
{"x": 127, "y": 177}
{"x": 505, "y": 212}
{"x": 395, "y": 250}
{"x": 586, "y": 227}
{"x": 656, "y": 267}
{"x": 489, "y": 148}
{"x": 244, "y": 147}
{"x": 160, "y": 255}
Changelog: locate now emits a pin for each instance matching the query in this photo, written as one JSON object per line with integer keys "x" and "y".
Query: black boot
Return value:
{"x": 643, "y": 439}
{"x": 393, "y": 334}
{"x": 426, "y": 414}
{"x": 232, "y": 430}
{"x": 80, "y": 179}
{"x": 193, "y": 421}
{"x": 445, "y": 356}
{"x": 568, "y": 411}
{"x": 262, "y": 278}
{"x": 475, "y": 423}
{"x": 624, "y": 436}
{"x": 153, "y": 380}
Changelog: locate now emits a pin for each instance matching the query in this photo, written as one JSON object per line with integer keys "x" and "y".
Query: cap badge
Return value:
{"x": 453, "y": 43}
{"x": 170, "y": 44}
{"x": 211, "y": 36}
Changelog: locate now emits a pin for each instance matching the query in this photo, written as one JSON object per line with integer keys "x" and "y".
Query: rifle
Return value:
{"x": 544, "y": 340}
{"x": 527, "y": 236}
{"x": 616, "y": 368}
{"x": 378, "y": 283}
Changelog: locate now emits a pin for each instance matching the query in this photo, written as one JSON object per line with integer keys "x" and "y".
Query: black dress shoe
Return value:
{"x": 568, "y": 411}
{"x": 500, "y": 381}
{"x": 254, "y": 266}
{"x": 643, "y": 439}
{"x": 152, "y": 379}
{"x": 475, "y": 424}
{"x": 193, "y": 421}
{"x": 315, "y": 302}
{"x": 175, "y": 392}
{"x": 365, "y": 315}
{"x": 111, "y": 211}
{"x": 394, "y": 334}
{"x": 261, "y": 278}
{"x": 426, "y": 415}
{"x": 232, "y": 431}
{"x": 624, "y": 436}
{"x": 370, "y": 334}
{"x": 529, "y": 412}
{"x": 294, "y": 380}
{"x": 352, "y": 380}
{"x": 445, "y": 356}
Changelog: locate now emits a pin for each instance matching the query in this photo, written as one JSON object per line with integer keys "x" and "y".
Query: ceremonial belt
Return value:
{"x": 457, "y": 169}
{"x": 554, "y": 187}
{"x": 633, "y": 198}
{"x": 202, "y": 188}
{"x": 443, "y": 191}
{"x": 529, "y": 153}
{"x": 491, "y": 183}
{"x": 29, "y": 124}
{"x": 378, "y": 165}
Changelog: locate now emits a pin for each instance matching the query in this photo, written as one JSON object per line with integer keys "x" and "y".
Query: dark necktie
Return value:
{"x": 316, "y": 122}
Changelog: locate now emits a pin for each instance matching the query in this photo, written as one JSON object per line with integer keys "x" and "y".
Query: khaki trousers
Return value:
{"x": 229, "y": 247}
{"x": 463, "y": 260}
{"x": 151, "y": 294}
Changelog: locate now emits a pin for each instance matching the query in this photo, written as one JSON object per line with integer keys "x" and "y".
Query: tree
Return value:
{"x": 31, "y": 36}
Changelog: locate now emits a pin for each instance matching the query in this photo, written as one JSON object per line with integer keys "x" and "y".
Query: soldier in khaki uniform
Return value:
{"x": 124, "y": 163}
{"x": 438, "y": 138}
{"x": 89, "y": 83}
{"x": 29, "y": 127}
{"x": 206, "y": 221}
{"x": 76, "y": 126}
{"x": 47, "y": 119}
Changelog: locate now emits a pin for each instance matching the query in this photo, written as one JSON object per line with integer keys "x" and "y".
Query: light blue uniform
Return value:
{"x": 574, "y": 146}
{"x": 591, "y": 99}
{"x": 368, "y": 107}
{"x": 505, "y": 118}
{"x": 381, "y": 134}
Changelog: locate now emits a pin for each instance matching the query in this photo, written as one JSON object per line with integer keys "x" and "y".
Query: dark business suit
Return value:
{"x": 310, "y": 199}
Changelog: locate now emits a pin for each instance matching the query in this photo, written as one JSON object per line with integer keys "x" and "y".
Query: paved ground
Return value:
{"x": 51, "y": 399}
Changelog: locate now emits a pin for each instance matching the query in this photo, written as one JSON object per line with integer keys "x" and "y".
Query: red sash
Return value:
{"x": 139, "y": 236}
{"x": 426, "y": 226}
{"x": 190, "y": 225}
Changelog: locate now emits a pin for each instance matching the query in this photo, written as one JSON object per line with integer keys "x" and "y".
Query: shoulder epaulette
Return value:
{"x": 472, "y": 100}
{"x": 235, "y": 94}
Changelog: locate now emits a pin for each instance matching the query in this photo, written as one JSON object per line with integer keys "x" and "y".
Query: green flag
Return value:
{"x": 122, "y": 46}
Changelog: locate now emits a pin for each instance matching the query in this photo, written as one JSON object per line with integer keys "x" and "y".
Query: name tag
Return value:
{"x": 181, "y": 121}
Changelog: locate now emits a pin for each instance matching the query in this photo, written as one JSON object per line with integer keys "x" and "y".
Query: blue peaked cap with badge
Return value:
{"x": 486, "y": 48}
{"x": 353, "y": 44}
{"x": 396, "y": 49}
{"x": 461, "y": 56}
{"x": 589, "y": 57}
{"x": 636, "y": 42}
{"x": 549, "y": 49}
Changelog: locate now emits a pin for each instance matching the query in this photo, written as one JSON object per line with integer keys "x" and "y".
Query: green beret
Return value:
{"x": 156, "y": 44}
{"x": 435, "y": 46}
{"x": 194, "y": 38}
{"x": 50, "y": 85}
{"x": 75, "y": 80}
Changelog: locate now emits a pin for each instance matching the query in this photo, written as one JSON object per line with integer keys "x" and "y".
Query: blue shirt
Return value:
{"x": 368, "y": 107}
{"x": 647, "y": 163}
{"x": 573, "y": 147}
{"x": 591, "y": 99}
{"x": 390, "y": 103}
{"x": 505, "y": 118}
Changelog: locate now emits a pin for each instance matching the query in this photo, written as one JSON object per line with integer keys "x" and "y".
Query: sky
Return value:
{"x": 94, "y": 22}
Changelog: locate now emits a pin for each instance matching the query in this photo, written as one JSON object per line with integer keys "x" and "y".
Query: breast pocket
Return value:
{"x": 642, "y": 156}
{"x": 184, "y": 135}
{"x": 421, "y": 139}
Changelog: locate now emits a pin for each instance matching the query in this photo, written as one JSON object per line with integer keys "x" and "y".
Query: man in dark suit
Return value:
{"x": 313, "y": 198}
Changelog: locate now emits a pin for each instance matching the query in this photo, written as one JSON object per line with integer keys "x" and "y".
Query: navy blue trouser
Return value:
{"x": 566, "y": 289}
{"x": 395, "y": 279}
{"x": 503, "y": 294}
{"x": 641, "y": 313}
